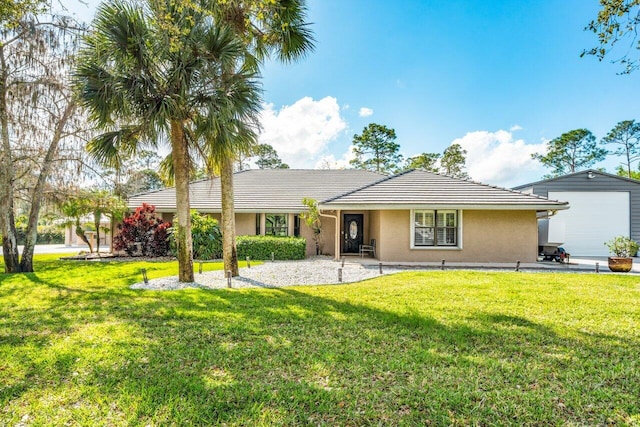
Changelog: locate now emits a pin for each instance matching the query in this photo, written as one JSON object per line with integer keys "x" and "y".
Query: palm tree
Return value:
{"x": 276, "y": 28}
{"x": 150, "y": 72}
{"x": 233, "y": 132}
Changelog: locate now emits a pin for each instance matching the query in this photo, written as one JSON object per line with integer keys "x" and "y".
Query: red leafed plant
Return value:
{"x": 143, "y": 233}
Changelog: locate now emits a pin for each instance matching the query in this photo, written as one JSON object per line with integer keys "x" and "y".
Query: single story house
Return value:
{"x": 415, "y": 216}
{"x": 603, "y": 206}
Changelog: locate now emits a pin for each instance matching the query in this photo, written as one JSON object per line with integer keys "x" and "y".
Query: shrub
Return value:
{"x": 47, "y": 234}
{"x": 45, "y": 237}
{"x": 143, "y": 233}
{"x": 261, "y": 247}
{"x": 206, "y": 237}
{"x": 622, "y": 246}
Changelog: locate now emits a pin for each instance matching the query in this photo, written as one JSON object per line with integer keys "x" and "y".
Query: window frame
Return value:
{"x": 435, "y": 229}
{"x": 273, "y": 230}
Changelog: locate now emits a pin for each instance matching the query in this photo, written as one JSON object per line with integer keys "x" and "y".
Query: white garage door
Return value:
{"x": 593, "y": 218}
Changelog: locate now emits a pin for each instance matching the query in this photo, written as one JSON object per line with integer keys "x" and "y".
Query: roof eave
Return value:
{"x": 459, "y": 206}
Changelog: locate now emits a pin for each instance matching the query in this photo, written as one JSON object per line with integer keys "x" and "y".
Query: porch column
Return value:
{"x": 263, "y": 223}
{"x": 337, "y": 239}
{"x": 290, "y": 224}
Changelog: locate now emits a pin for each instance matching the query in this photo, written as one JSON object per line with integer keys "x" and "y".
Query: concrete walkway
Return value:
{"x": 58, "y": 249}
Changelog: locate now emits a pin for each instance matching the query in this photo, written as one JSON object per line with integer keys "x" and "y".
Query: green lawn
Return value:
{"x": 77, "y": 347}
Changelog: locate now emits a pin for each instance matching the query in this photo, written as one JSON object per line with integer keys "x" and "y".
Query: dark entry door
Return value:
{"x": 352, "y": 233}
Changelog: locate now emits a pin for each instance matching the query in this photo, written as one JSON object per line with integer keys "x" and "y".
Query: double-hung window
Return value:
{"x": 276, "y": 225}
{"x": 435, "y": 228}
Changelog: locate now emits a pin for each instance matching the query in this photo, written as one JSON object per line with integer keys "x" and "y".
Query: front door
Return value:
{"x": 352, "y": 224}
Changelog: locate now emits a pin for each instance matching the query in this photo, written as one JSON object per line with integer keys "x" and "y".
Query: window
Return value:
{"x": 257, "y": 224}
{"x": 276, "y": 225}
{"x": 435, "y": 228}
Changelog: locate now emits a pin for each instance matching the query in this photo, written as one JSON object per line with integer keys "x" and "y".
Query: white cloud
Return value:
{"x": 330, "y": 161}
{"x": 515, "y": 128}
{"x": 365, "y": 112}
{"x": 301, "y": 132}
{"x": 499, "y": 159}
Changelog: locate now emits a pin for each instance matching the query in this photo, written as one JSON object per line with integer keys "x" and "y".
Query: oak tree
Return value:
{"x": 616, "y": 29}
{"x": 40, "y": 130}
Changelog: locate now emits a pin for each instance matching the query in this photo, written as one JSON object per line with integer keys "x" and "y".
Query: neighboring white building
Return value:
{"x": 603, "y": 206}
{"x": 72, "y": 239}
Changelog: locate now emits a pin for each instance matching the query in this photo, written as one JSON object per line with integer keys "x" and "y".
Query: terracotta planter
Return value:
{"x": 620, "y": 264}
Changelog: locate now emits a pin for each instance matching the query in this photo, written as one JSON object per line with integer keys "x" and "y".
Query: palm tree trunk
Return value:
{"x": 180, "y": 157}
{"x": 229, "y": 252}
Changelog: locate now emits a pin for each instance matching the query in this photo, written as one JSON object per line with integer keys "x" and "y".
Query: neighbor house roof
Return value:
{"x": 264, "y": 190}
{"x": 593, "y": 172}
{"x": 417, "y": 188}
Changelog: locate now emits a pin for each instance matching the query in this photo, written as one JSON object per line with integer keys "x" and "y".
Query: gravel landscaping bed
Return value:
{"x": 313, "y": 271}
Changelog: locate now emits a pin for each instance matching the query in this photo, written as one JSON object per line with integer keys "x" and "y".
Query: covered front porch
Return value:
{"x": 356, "y": 234}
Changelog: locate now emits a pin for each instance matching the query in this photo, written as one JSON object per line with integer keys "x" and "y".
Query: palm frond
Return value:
{"x": 111, "y": 148}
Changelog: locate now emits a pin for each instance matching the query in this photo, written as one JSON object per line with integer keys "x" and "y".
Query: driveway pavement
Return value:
{"x": 590, "y": 262}
{"x": 578, "y": 264}
{"x": 56, "y": 249}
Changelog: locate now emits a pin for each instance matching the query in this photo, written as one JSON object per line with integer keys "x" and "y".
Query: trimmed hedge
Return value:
{"x": 44, "y": 237}
{"x": 261, "y": 247}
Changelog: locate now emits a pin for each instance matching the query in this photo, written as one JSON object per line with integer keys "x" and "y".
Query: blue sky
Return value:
{"x": 498, "y": 77}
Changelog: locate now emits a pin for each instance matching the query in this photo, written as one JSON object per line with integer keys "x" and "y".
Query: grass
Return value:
{"x": 77, "y": 347}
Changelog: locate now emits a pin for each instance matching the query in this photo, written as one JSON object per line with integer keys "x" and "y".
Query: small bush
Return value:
{"x": 48, "y": 237}
{"x": 622, "y": 246}
{"x": 261, "y": 247}
{"x": 47, "y": 234}
{"x": 206, "y": 237}
{"x": 143, "y": 233}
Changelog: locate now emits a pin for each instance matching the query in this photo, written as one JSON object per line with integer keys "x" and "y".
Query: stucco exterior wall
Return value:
{"x": 485, "y": 236}
{"x": 374, "y": 227}
{"x": 327, "y": 236}
{"x": 72, "y": 239}
{"x": 245, "y": 224}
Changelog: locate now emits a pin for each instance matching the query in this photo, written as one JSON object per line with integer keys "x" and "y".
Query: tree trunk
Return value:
{"x": 26, "y": 262}
{"x": 7, "y": 222}
{"x": 82, "y": 236}
{"x": 229, "y": 251}
{"x": 180, "y": 155}
{"x": 9, "y": 239}
{"x": 96, "y": 223}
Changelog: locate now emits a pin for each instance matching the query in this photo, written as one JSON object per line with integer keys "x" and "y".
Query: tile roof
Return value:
{"x": 416, "y": 188}
{"x": 264, "y": 190}
{"x": 282, "y": 190}
{"x": 582, "y": 172}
